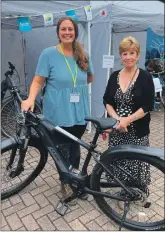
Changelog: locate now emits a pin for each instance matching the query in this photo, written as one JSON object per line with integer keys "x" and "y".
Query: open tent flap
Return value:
{"x": 100, "y": 75}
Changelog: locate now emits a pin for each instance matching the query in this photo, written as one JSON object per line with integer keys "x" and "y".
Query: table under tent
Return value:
{"x": 110, "y": 24}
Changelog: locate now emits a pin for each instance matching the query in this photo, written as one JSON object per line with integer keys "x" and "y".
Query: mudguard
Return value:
{"x": 134, "y": 149}
{"x": 8, "y": 144}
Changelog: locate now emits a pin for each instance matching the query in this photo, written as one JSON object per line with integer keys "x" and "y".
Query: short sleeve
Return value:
{"x": 43, "y": 65}
{"x": 90, "y": 68}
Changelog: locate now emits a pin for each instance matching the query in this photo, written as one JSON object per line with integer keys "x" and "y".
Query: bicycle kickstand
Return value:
{"x": 126, "y": 209}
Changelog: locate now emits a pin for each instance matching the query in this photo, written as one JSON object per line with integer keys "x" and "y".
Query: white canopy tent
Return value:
{"x": 110, "y": 24}
{"x": 23, "y": 49}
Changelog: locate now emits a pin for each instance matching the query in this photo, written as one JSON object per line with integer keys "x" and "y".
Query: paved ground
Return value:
{"x": 34, "y": 207}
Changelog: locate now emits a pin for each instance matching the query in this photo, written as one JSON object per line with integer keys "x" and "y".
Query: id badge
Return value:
{"x": 74, "y": 97}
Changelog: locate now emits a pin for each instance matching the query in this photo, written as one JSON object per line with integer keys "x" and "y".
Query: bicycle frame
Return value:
{"x": 78, "y": 180}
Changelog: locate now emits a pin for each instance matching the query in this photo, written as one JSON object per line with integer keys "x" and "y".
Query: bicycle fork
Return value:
{"x": 15, "y": 171}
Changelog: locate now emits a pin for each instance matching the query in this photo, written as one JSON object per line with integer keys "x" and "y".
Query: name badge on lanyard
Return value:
{"x": 74, "y": 97}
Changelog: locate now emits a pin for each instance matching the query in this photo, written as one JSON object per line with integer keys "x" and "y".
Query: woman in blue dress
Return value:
{"x": 66, "y": 69}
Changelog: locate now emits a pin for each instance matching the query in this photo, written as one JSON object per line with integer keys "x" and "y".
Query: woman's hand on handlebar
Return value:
{"x": 27, "y": 104}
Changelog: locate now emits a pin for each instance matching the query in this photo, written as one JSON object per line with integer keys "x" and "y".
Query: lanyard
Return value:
{"x": 74, "y": 78}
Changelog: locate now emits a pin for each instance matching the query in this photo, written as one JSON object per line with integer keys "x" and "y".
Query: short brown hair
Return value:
{"x": 129, "y": 43}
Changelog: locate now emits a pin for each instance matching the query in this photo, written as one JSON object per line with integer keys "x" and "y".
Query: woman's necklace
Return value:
{"x": 129, "y": 75}
{"x": 127, "y": 82}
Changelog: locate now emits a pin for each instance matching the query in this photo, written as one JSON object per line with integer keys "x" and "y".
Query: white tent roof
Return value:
{"x": 36, "y": 9}
{"x": 138, "y": 6}
{"x": 131, "y": 15}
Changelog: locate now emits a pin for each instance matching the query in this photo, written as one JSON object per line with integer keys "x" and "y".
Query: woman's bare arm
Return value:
{"x": 35, "y": 87}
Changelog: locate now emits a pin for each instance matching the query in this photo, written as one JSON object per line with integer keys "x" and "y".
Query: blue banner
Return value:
{"x": 24, "y": 24}
{"x": 71, "y": 13}
{"x": 155, "y": 45}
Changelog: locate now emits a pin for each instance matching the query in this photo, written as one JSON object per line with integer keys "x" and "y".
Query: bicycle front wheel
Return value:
{"x": 148, "y": 182}
{"x": 8, "y": 116}
{"x": 35, "y": 160}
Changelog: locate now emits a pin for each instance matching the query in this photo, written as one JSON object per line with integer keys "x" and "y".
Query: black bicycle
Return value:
{"x": 109, "y": 178}
{"x": 8, "y": 110}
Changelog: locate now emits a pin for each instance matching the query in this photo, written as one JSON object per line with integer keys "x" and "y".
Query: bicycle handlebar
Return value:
{"x": 11, "y": 66}
{"x": 8, "y": 83}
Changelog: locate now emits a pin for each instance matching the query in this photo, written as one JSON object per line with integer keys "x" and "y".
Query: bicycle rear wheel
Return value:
{"x": 8, "y": 116}
{"x": 35, "y": 160}
{"x": 138, "y": 217}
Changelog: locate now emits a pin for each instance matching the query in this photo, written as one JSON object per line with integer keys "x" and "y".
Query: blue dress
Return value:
{"x": 57, "y": 107}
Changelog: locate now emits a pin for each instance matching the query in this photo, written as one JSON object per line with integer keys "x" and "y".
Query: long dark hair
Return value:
{"x": 78, "y": 50}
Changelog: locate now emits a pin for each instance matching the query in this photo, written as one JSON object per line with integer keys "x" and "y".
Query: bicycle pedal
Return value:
{"x": 61, "y": 208}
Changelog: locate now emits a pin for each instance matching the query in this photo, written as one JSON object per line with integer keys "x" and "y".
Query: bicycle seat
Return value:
{"x": 103, "y": 123}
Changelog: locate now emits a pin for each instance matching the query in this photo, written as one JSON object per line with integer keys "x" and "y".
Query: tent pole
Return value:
{"x": 24, "y": 60}
{"x": 89, "y": 86}
{"x": 109, "y": 53}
